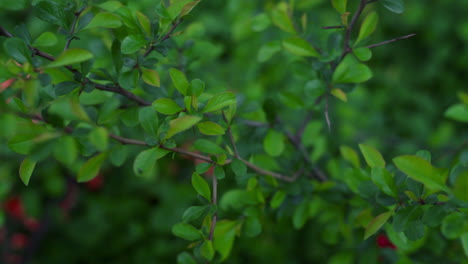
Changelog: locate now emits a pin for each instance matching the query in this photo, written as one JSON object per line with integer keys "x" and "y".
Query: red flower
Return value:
{"x": 31, "y": 224}
{"x": 14, "y": 207}
{"x": 96, "y": 183}
{"x": 383, "y": 242}
{"x": 19, "y": 241}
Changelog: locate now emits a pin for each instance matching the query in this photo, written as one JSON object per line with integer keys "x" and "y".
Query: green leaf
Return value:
{"x": 422, "y": 171}
{"x": 207, "y": 250}
{"x": 280, "y": 18}
{"x": 149, "y": 120}
{"x": 181, "y": 124}
{"x": 208, "y": 146}
{"x": 252, "y": 226}
{"x": 376, "y": 223}
{"x": 132, "y": 43}
{"x": 372, "y": 156}
{"x": 458, "y": 112}
{"x": 179, "y": 80}
{"x": 185, "y": 258}
{"x": 219, "y": 172}
{"x": 53, "y": 12}
{"x": 219, "y": 101}
{"x": 460, "y": 187}
{"x": 464, "y": 241}
{"x": 273, "y": 143}
{"x": 338, "y": 93}
{"x": 277, "y": 199}
{"x": 26, "y": 169}
{"x": 201, "y": 186}
{"x": 396, "y": 6}
{"x": 105, "y": 20}
{"x": 350, "y": 71}
{"x": 382, "y": 178}
{"x": 99, "y": 137}
{"x": 90, "y": 169}
{"x": 71, "y": 56}
{"x": 268, "y": 50}
{"x": 301, "y": 214}
{"x": 350, "y": 155}
{"x": 144, "y": 22}
{"x": 368, "y": 27}
{"x": 340, "y": 5}
{"x": 224, "y": 235}
{"x": 129, "y": 79}
{"x": 46, "y": 39}
{"x": 238, "y": 167}
{"x": 299, "y": 47}
{"x": 17, "y": 49}
{"x": 363, "y": 53}
{"x": 66, "y": 150}
{"x": 203, "y": 167}
{"x": 188, "y": 8}
{"x": 260, "y": 22}
{"x": 145, "y": 161}
{"x": 166, "y": 106}
{"x": 151, "y": 77}
{"x": 452, "y": 225}
{"x": 415, "y": 230}
{"x": 186, "y": 231}
{"x": 194, "y": 213}
{"x": 210, "y": 128}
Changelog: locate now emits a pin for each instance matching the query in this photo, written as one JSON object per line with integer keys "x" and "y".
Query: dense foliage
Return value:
{"x": 233, "y": 131}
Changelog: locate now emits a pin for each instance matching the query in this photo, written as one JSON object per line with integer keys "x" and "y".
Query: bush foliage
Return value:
{"x": 226, "y": 132}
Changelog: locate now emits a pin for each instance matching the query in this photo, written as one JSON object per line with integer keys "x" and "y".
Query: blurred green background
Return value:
{"x": 399, "y": 111}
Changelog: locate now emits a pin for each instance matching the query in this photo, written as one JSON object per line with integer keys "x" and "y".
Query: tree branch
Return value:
{"x": 215, "y": 203}
{"x": 390, "y": 41}
{"x": 333, "y": 27}
{"x": 166, "y": 36}
{"x": 72, "y": 30}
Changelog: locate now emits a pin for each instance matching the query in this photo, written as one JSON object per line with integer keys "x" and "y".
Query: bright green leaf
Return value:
{"x": 179, "y": 80}
{"x": 151, "y": 77}
{"x": 149, "y": 120}
{"x": 46, "y": 39}
{"x": 277, "y": 199}
{"x": 185, "y": 258}
{"x": 166, "y": 106}
{"x": 132, "y": 43}
{"x": 363, "y": 53}
{"x": 210, "y": 128}
{"x": 372, "y": 156}
{"x": 273, "y": 143}
{"x": 464, "y": 241}
{"x": 368, "y": 26}
{"x": 280, "y": 18}
{"x": 224, "y": 235}
{"x": 458, "y": 112}
{"x": 99, "y": 138}
{"x": 452, "y": 225}
{"x": 338, "y": 93}
{"x": 17, "y": 49}
{"x": 90, "y": 169}
{"x": 340, "y": 5}
{"x": 219, "y": 101}
{"x": 186, "y": 231}
{"x": 350, "y": 155}
{"x": 382, "y": 178}
{"x": 299, "y": 47}
{"x": 194, "y": 213}
{"x": 350, "y": 71}
{"x": 376, "y": 223}
{"x": 207, "y": 250}
{"x": 145, "y": 161}
{"x": 26, "y": 169}
{"x": 188, "y": 8}
{"x": 144, "y": 23}
{"x": 268, "y": 50}
{"x": 301, "y": 214}
{"x": 396, "y": 6}
{"x": 105, "y": 20}
{"x": 66, "y": 150}
{"x": 201, "y": 186}
{"x": 208, "y": 146}
{"x": 71, "y": 56}
{"x": 181, "y": 124}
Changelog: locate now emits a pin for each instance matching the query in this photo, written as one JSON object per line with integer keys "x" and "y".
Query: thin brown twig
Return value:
{"x": 215, "y": 203}
{"x": 267, "y": 172}
{"x": 333, "y": 27}
{"x": 72, "y": 30}
{"x": 391, "y": 40}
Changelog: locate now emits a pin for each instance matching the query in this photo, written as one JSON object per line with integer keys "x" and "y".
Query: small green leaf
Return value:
{"x": 273, "y": 143}
{"x": 277, "y": 199}
{"x": 194, "y": 213}
{"x": 464, "y": 241}
{"x": 151, "y": 77}
{"x": 219, "y": 101}
{"x": 90, "y": 169}
{"x": 396, "y": 6}
{"x": 105, "y": 20}
{"x": 149, "y": 120}
{"x": 181, "y": 124}
{"x": 46, "y": 39}
{"x": 186, "y": 231}
{"x": 208, "y": 146}
{"x": 26, "y": 169}
{"x": 132, "y": 44}
{"x": 238, "y": 167}
{"x": 17, "y": 49}
{"x": 203, "y": 167}
{"x": 71, "y": 56}
{"x": 350, "y": 71}
{"x": 129, "y": 79}
{"x": 145, "y": 161}
{"x": 188, "y": 8}
{"x": 368, "y": 27}
{"x": 201, "y": 186}
{"x": 53, "y": 12}
{"x": 363, "y": 53}
{"x": 185, "y": 258}
{"x": 166, "y": 106}
{"x": 219, "y": 172}
{"x": 179, "y": 80}
{"x": 376, "y": 223}
{"x": 280, "y": 18}
{"x": 301, "y": 214}
{"x": 268, "y": 50}
{"x": 452, "y": 225}
{"x": 350, "y": 155}
{"x": 382, "y": 178}
{"x": 207, "y": 250}
{"x": 66, "y": 150}
{"x": 99, "y": 138}
{"x": 458, "y": 112}
{"x": 144, "y": 23}
{"x": 422, "y": 171}
{"x": 372, "y": 156}
{"x": 224, "y": 235}
{"x": 299, "y": 47}
{"x": 340, "y": 5}
{"x": 338, "y": 93}
{"x": 210, "y": 128}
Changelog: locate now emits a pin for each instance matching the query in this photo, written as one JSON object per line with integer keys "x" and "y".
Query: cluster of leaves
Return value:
{"x": 109, "y": 86}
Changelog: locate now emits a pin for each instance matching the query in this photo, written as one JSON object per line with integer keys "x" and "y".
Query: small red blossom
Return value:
{"x": 19, "y": 241}
{"x": 31, "y": 224}
{"x": 96, "y": 183}
{"x": 383, "y": 242}
{"x": 14, "y": 207}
